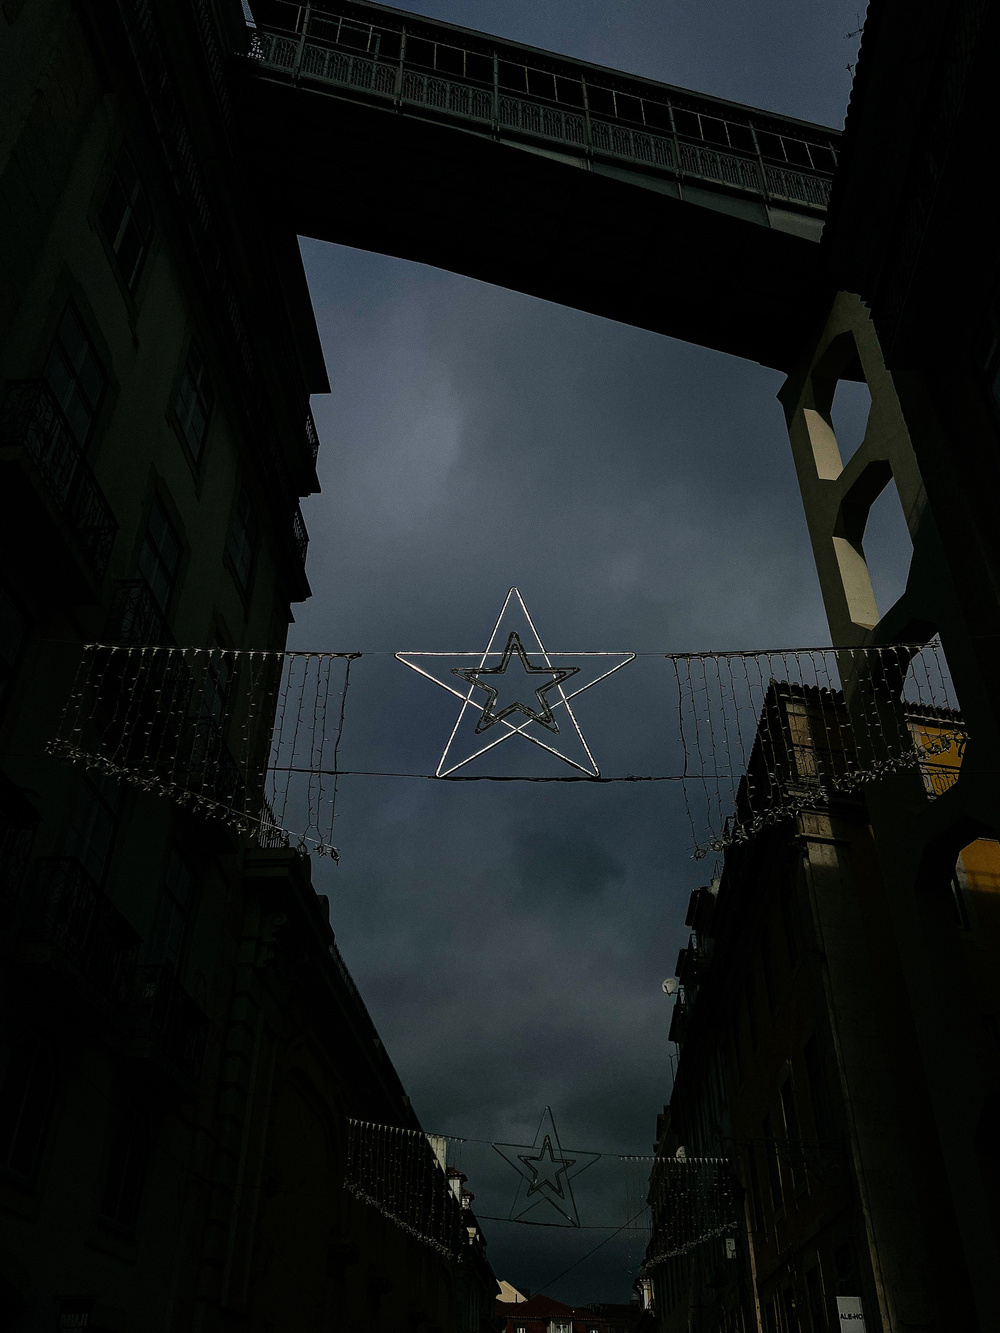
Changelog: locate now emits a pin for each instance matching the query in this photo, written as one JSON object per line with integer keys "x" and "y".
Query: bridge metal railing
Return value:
{"x": 301, "y": 58}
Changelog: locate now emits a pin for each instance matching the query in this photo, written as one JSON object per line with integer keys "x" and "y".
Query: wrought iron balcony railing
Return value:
{"x": 70, "y": 913}
{"x": 136, "y": 618}
{"x": 599, "y": 112}
{"x": 18, "y": 822}
{"x": 312, "y": 439}
{"x": 301, "y": 534}
{"x": 165, "y": 1015}
{"x": 32, "y": 419}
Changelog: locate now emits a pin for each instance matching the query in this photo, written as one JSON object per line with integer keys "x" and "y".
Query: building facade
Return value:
{"x": 795, "y": 1083}
{"x": 182, "y": 1050}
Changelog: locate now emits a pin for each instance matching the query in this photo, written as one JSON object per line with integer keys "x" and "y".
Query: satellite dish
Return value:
{"x": 670, "y": 985}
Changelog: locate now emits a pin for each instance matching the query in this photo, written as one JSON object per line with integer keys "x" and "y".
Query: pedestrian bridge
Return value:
{"x": 678, "y": 212}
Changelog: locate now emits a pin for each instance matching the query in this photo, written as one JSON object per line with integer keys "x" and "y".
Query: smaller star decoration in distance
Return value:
{"x": 535, "y": 692}
{"x": 546, "y": 1170}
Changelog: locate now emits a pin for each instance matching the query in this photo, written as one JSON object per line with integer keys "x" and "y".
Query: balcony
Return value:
{"x": 165, "y": 1016}
{"x": 135, "y": 617}
{"x": 312, "y": 439}
{"x": 84, "y": 930}
{"x": 300, "y": 534}
{"x": 33, "y": 428}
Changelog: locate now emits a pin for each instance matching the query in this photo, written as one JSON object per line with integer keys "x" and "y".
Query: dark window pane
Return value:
{"x": 773, "y": 1170}
{"x": 824, "y": 159}
{"x": 513, "y": 77}
{"x": 160, "y": 555}
{"x": 687, "y": 124}
{"x": 126, "y": 220}
{"x": 629, "y": 108}
{"x": 770, "y": 145}
{"x": 74, "y": 375}
{"x": 569, "y": 92}
{"x": 657, "y": 116}
{"x": 242, "y": 540}
{"x": 25, "y": 1104}
{"x": 541, "y": 84}
{"x": 714, "y": 131}
{"x": 600, "y": 101}
{"x": 817, "y": 1088}
{"x": 797, "y": 152}
{"x": 389, "y": 44}
{"x": 419, "y": 52}
{"x": 193, "y": 405}
{"x": 93, "y": 820}
{"x": 325, "y": 29}
{"x": 172, "y": 916}
{"x": 814, "y": 1294}
{"x": 741, "y": 137}
{"x": 479, "y": 68}
{"x": 450, "y": 60}
{"x": 355, "y": 35}
{"x": 126, "y": 1171}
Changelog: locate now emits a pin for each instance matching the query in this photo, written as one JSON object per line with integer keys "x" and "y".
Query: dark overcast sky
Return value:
{"x": 510, "y": 940}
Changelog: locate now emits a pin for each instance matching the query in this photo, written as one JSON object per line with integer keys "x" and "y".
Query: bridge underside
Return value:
{"x": 530, "y": 219}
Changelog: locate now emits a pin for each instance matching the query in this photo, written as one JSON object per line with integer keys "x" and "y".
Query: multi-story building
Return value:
{"x": 770, "y": 1205}
{"x": 182, "y": 1051}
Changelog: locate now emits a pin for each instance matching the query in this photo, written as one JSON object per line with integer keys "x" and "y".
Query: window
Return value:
{"x": 13, "y": 628}
{"x": 160, "y": 555}
{"x": 75, "y": 377}
{"x": 560, "y": 1326}
{"x": 92, "y": 824}
{"x": 817, "y": 1088}
{"x": 193, "y": 404}
{"x": 242, "y": 540}
{"x": 756, "y": 1211}
{"x": 773, "y": 1170}
{"x": 26, "y": 1094}
{"x": 814, "y": 1299}
{"x": 126, "y": 1171}
{"x": 170, "y": 929}
{"x": 790, "y": 1116}
{"x": 126, "y": 220}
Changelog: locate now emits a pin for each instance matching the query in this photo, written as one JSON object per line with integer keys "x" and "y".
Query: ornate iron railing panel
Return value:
{"x": 32, "y": 419}
{"x": 164, "y": 1014}
{"x": 312, "y": 438}
{"x": 70, "y": 913}
{"x": 300, "y": 533}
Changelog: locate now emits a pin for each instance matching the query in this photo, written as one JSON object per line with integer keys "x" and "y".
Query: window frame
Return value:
{"x": 40, "y": 1058}
{"x": 93, "y": 404}
{"x": 132, "y": 195}
{"x": 158, "y": 503}
{"x": 204, "y": 396}
{"x": 129, "y": 1161}
{"x": 250, "y": 532}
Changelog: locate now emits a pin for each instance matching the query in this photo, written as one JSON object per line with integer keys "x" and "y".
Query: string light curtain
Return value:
{"x": 254, "y": 738}
{"x": 692, "y": 1200}
{"x": 397, "y": 1172}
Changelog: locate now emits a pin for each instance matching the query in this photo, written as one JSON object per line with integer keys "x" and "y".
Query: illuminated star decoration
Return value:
{"x": 523, "y": 669}
{"x": 547, "y": 1170}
